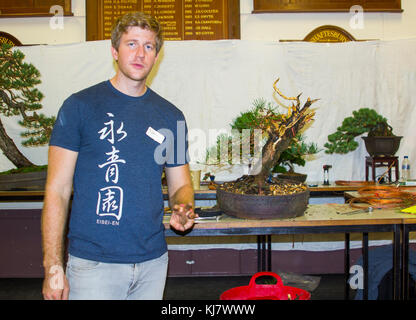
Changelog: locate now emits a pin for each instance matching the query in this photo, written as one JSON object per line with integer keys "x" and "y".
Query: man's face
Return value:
{"x": 136, "y": 53}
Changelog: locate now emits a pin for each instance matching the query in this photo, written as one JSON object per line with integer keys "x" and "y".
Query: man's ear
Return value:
{"x": 114, "y": 53}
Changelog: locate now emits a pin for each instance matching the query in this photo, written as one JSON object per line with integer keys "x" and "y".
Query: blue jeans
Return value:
{"x": 92, "y": 280}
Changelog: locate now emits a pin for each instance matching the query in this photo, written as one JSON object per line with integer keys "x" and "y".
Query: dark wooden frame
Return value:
{"x": 338, "y": 35}
{"x": 95, "y": 28}
{"x": 33, "y": 9}
{"x": 329, "y": 28}
{"x": 10, "y": 39}
{"x": 275, "y": 6}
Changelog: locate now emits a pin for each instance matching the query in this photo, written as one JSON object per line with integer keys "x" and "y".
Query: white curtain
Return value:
{"x": 213, "y": 81}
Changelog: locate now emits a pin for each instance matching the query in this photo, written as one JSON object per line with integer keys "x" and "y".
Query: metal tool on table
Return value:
{"x": 213, "y": 213}
{"x": 369, "y": 210}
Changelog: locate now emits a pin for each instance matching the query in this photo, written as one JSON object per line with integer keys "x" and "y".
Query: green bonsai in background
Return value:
{"x": 19, "y": 97}
{"x": 362, "y": 121}
{"x": 295, "y": 155}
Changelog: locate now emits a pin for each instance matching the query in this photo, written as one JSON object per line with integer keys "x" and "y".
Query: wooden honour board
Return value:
{"x": 181, "y": 19}
{"x": 32, "y": 8}
{"x": 268, "y": 6}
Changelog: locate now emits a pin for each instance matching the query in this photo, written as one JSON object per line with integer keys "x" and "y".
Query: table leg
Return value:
{"x": 405, "y": 265}
{"x": 259, "y": 253}
{"x": 397, "y": 171}
{"x": 347, "y": 267}
{"x": 262, "y": 251}
{"x": 396, "y": 262}
{"x": 269, "y": 253}
{"x": 365, "y": 265}
{"x": 397, "y": 250}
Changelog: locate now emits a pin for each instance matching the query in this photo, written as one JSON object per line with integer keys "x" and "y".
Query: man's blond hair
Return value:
{"x": 136, "y": 19}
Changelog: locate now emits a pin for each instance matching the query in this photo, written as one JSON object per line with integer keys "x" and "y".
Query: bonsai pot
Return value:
{"x": 252, "y": 206}
{"x": 294, "y": 176}
{"x": 382, "y": 146}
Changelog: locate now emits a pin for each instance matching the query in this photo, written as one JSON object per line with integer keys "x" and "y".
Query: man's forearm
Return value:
{"x": 61, "y": 164}
{"x": 53, "y": 226}
{"x": 183, "y": 195}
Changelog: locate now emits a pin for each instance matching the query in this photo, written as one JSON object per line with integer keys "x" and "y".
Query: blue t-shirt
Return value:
{"x": 123, "y": 144}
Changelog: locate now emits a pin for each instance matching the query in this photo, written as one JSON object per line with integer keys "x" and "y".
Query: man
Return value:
{"x": 112, "y": 142}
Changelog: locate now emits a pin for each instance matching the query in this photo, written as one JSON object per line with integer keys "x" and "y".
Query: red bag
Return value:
{"x": 256, "y": 291}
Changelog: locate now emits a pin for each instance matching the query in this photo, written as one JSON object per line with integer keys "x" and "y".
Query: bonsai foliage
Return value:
{"x": 362, "y": 121}
{"x": 20, "y": 97}
{"x": 253, "y": 119}
{"x": 258, "y": 117}
{"x": 295, "y": 155}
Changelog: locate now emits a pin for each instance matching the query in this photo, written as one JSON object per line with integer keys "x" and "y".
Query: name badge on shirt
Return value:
{"x": 157, "y": 136}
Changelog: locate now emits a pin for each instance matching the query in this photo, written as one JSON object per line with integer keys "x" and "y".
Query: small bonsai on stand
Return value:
{"x": 362, "y": 121}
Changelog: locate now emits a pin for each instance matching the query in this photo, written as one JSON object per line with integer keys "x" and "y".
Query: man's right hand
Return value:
{"x": 55, "y": 284}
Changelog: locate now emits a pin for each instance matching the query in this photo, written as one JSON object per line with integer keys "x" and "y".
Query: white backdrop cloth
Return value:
{"x": 213, "y": 81}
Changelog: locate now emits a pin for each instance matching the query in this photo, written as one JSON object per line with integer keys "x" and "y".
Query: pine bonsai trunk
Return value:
{"x": 11, "y": 151}
{"x": 270, "y": 156}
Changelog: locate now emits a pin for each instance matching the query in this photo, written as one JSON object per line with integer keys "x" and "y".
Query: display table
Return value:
{"x": 317, "y": 219}
{"x": 323, "y": 218}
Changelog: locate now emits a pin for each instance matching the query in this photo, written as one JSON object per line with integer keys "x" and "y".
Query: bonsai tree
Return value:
{"x": 293, "y": 155}
{"x": 20, "y": 97}
{"x": 278, "y": 131}
{"x": 362, "y": 121}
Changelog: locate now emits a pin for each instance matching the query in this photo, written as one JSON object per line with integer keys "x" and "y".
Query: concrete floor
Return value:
{"x": 331, "y": 287}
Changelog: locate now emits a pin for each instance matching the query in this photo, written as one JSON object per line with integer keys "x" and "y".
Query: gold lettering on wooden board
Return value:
{"x": 180, "y": 19}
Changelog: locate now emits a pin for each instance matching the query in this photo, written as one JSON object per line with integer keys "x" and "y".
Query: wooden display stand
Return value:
{"x": 375, "y": 162}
